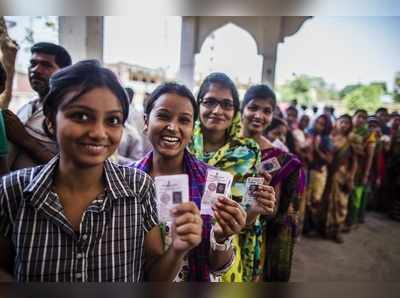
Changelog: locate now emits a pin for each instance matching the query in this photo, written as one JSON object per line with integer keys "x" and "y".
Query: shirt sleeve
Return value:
{"x": 149, "y": 206}
{"x": 25, "y": 112}
{"x": 5, "y": 222}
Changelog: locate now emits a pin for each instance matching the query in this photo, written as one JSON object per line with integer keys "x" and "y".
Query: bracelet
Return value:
{"x": 218, "y": 246}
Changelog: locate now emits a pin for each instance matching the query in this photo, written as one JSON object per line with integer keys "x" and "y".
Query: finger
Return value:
{"x": 266, "y": 207}
{"x": 185, "y": 207}
{"x": 223, "y": 224}
{"x": 191, "y": 239}
{"x": 235, "y": 213}
{"x": 227, "y": 201}
{"x": 230, "y": 222}
{"x": 190, "y": 228}
{"x": 267, "y": 188}
{"x": 265, "y": 204}
{"x": 183, "y": 218}
{"x": 232, "y": 203}
{"x": 267, "y": 177}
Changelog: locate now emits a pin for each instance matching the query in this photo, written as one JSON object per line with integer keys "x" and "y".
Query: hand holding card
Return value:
{"x": 186, "y": 227}
{"x": 171, "y": 191}
{"x": 264, "y": 199}
{"x": 230, "y": 216}
{"x": 218, "y": 184}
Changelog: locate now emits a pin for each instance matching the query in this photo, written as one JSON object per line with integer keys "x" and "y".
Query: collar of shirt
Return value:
{"x": 40, "y": 194}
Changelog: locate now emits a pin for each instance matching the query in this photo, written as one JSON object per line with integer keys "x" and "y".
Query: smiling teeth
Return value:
{"x": 170, "y": 139}
{"x": 95, "y": 146}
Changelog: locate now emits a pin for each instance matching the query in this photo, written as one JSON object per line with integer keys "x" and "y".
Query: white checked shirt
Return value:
{"x": 110, "y": 243}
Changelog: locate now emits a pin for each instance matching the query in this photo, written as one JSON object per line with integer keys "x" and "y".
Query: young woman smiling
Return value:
{"x": 217, "y": 141}
{"x": 169, "y": 122}
{"x": 81, "y": 217}
{"x": 278, "y": 233}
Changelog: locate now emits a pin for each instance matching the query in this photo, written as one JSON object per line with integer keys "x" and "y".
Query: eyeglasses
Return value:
{"x": 211, "y": 103}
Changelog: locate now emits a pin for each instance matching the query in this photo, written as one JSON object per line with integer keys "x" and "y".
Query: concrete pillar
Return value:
{"x": 82, "y": 36}
{"x": 268, "y": 67}
{"x": 188, "y": 50}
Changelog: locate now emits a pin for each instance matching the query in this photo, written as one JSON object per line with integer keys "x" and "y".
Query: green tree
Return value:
{"x": 348, "y": 89}
{"x": 396, "y": 91}
{"x": 364, "y": 97}
{"x": 307, "y": 90}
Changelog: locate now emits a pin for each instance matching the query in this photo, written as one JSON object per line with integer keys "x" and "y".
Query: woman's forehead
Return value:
{"x": 96, "y": 99}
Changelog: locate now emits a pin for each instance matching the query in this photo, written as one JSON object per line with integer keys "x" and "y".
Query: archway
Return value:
{"x": 231, "y": 50}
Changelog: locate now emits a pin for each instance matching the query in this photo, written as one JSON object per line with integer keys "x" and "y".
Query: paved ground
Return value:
{"x": 370, "y": 253}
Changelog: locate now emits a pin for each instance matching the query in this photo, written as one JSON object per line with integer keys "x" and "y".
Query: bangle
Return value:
{"x": 218, "y": 246}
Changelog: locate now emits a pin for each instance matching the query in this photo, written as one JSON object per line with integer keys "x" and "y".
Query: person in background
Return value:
{"x": 169, "y": 121}
{"x": 363, "y": 142}
{"x": 304, "y": 122}
{"x": 375, "y": 194}
{"x": 340, "y": 181}
{"x": 131, "y": 146}
{"x": 393, "y": 170}
{"x": 279, "y": 232}
{"x": 292, "y": 117}
{"x": 383, "y": 117}
{"x": 217, "y": 140}
{"x": 320, "y": 156}
{"x": 30, "y": 144}
{"x": 278, "y": 112}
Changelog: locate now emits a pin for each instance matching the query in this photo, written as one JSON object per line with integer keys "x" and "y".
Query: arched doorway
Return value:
{"x": 231, "y": 50}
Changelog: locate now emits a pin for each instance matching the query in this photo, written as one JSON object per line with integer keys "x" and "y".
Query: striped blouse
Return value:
{"x": 110, "y": 243}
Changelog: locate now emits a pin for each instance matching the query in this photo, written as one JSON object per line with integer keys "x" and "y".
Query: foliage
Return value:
{"x": 307, "y": 90}
{"x": 364, "y": 97}
{"x": 348, "y": 89}
{"x": 396, "y": 92}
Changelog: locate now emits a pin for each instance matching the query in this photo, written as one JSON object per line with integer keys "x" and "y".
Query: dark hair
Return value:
{"x": 292, "y": 108}
{"x": 62, "y": 57}
{"x": 348, "y": 117}
{"x": 360, "y": 111}
{"x": 83, "y": 77}
{"x": 130, "y": 93}
{"x": 224, "y": 81}
{"x": 260, "y": 91}
{"x": 328, "y": 124}
{"x": 3, "y": 76}
{"x": 174, "y": 88}
{"x": 381, "y": 109}
{"x": 274, "y": 124}
{"x": 278, "y": 112}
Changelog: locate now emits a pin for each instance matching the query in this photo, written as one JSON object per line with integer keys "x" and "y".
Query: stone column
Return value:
{"x": 188, "y": 50}
{"x": 82, "y": 37}
{"x": 268, "y": 69}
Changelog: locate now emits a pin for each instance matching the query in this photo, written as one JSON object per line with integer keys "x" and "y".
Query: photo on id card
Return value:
{"x": 270, "y": 165}
{"x": 218, "y": 184}
{"x": 171, "y": 190}
{"x": 252, "y": 185}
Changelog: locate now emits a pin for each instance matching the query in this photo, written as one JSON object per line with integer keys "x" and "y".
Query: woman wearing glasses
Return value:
{"x": 218, "y": 142}
{"x": 170, "y": 114}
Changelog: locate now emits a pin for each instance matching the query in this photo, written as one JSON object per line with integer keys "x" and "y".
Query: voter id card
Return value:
{"x": 171, "y": 190}
{"x": 218, "y": 184}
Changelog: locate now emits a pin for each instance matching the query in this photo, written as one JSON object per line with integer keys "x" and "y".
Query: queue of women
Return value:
{"x": 82, "y": 217}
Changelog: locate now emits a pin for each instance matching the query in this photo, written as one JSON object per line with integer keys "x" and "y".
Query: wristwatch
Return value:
{"x": 219, "y": 246}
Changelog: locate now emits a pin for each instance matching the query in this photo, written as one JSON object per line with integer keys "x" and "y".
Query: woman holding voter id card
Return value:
{"x": 80, "y": 217}
{"x": 287, "y": 177}
{"x": 217, "y": 141}
{"x": 189, "y": 192}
